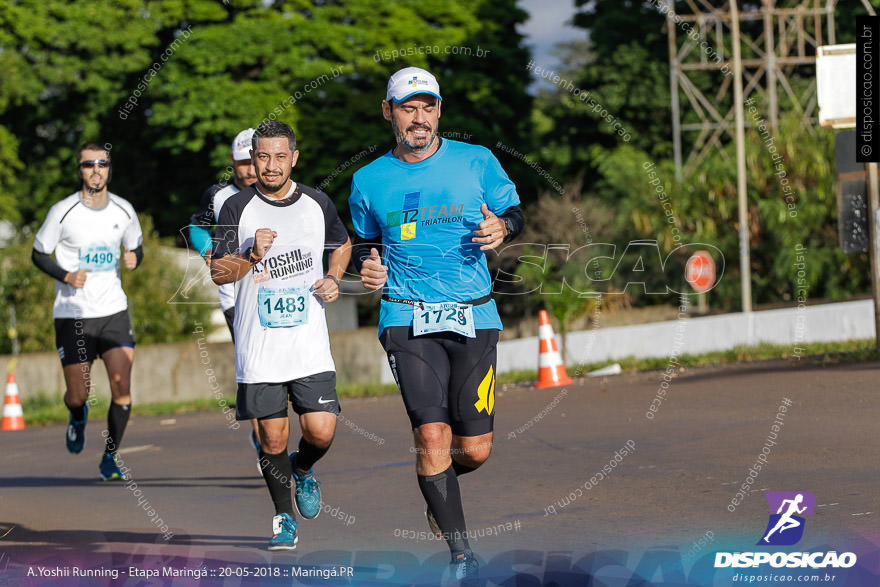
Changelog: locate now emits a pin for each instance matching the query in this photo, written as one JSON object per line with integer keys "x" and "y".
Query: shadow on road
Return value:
{"x": 16, "y": 538}
{"x": 222, "y": 482}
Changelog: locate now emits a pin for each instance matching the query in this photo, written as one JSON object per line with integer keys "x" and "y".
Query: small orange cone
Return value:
{"x": 551, "y": 371}
{"x": 13, "y": 417}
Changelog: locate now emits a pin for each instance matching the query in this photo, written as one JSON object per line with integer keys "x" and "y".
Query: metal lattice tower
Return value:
{"x": 787, "y": 40}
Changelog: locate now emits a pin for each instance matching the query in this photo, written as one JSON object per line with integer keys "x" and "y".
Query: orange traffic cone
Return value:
{"x": 551, "y": 371}
{"x": 13, "y": 417}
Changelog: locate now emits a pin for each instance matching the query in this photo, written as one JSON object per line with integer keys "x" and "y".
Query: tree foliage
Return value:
{"x": 624, "y": 66}
{"x": 169, "y": 84}
{"x": 555, "y": 278}
{"x": 705, "y": 209}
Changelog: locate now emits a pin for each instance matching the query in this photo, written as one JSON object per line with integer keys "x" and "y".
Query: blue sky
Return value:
{"x": 549, "y": 24}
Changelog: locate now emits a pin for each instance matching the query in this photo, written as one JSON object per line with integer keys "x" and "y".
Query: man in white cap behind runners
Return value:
{"x": 202, "y": 225}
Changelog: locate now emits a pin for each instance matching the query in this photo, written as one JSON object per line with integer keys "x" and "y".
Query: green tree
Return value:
{"x": 155, "y": 317}
{"x": 553, "y": 278}
{"x": 485, "y": 92}
{"x": 625, "y": 67}
{"x": 31, "y": 292}
{"x": 621, "y": 70}
{"x": 63, "y": 69}
{"x": 563, "y": 292}
{"x": 10, "y": 166}
{"x": 705, "y": 209}
{"x": 169, "y": 84}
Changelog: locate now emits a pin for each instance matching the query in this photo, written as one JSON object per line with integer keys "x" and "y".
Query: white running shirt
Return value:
{"x": 269, "y": 348}
{"x": 89, "y": 238}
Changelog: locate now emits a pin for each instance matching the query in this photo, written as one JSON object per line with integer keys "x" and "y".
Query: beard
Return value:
{"x": 420, "y": 147}
{"x": 275, "y": 185}
{"x": 96, "y": 188}
{"x": 244, "y": 180}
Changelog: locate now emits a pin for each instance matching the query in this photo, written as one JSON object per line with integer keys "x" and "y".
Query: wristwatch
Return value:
{"x": 508, "y": 224}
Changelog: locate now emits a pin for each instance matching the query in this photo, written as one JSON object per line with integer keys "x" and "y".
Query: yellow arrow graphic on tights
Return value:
{"x": 486, "y": 393}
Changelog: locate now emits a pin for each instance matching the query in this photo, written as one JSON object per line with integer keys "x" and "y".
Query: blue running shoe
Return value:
{"x": 284, "y": 533}
{"x": 110, "y": 468}
{"x": 76, "y": 432}
{"x": 308, "y": 492}
{"x": 465, "y": 568}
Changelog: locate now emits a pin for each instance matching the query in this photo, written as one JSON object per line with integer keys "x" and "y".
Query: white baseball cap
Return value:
{"x": 241, "y": 146}
{"x": 410, "y": 81}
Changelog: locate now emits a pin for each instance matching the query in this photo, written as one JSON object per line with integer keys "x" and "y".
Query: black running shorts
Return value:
{"x": 445, "y": 377}
{"x": 315, "y": 393}
{"x": 82, "y": 340}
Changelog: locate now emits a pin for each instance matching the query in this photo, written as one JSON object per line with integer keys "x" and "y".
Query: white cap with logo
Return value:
{"x": 241, "y": 146}
{"x": 410, "y": 81}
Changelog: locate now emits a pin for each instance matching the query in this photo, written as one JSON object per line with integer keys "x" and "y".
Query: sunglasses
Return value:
{"x": 99, "y": 162}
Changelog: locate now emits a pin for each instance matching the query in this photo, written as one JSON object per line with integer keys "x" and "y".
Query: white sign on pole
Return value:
{"x": 836, "y": 85}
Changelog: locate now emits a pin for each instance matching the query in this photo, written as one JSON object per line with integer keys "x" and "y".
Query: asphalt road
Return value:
{"x": 541, "y": 510}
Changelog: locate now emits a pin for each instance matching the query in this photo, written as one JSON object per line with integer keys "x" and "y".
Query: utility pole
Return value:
{"x": 788, "y": 41}
{"x": 745, "y": 269}
{"x": 674, "y": 66}
{"x": 874, "y": 232}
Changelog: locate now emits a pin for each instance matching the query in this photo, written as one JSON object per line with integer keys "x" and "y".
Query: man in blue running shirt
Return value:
{"x": 425, "y": 213}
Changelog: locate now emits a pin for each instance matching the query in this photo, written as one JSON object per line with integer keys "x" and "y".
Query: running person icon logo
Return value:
{"x": 786, "y": 526}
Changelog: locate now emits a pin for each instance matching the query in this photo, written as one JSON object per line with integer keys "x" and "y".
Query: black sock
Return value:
{"x": 117, "y": 420}
{"x": 78, "y": 413}
{"x": 461, "y": 469}
{"x": 444, "y": 500}
{"x": 276, "y": 472}
{"x": 307, "y": 456}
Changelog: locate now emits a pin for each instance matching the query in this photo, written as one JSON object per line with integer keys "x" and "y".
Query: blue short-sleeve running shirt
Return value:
{"x": 425, "y": 214}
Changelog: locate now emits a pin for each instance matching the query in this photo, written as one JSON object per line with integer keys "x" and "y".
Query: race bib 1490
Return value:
{"x": 97, "y": 258}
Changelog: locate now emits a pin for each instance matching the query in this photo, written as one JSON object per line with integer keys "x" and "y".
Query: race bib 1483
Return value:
{"x": 283, "y": 307}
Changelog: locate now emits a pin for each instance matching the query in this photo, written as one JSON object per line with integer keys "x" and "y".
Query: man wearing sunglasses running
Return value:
{"x": 86, "y": 231}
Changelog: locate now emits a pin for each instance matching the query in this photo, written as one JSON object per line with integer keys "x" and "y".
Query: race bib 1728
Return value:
{"x": 443, "y": 317}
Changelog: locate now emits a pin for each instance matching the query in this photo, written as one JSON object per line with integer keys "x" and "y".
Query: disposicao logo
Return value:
{"x": 785, "y": 527}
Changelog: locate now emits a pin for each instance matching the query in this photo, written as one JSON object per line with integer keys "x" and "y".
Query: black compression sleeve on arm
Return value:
{"x": 360, "y": 251}
{"x": 139, "y": 253}
{"x": 515, "y": 215}
{"x": 48, "y": 265}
